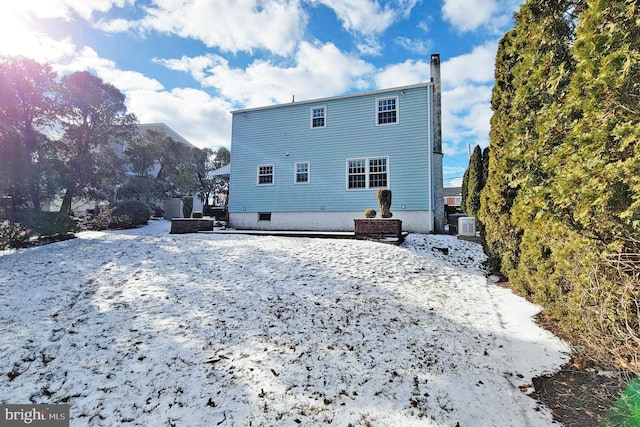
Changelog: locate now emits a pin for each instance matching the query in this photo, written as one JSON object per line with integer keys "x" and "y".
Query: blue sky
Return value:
{"x": 188, "y": 63}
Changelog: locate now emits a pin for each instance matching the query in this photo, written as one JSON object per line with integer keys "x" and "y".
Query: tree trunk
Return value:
{"x": 66, "y": 202}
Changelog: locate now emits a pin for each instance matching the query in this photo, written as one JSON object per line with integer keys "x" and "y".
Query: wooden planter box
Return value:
{"x": 378, "y": 228}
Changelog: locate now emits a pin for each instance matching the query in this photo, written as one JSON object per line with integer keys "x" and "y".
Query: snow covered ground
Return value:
{"x": 142, "y": 327}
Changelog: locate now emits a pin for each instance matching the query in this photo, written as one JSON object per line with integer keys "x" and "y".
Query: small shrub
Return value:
{"x": 370, "y": 213}
{"x": 44, "y": 223}
{"x": 157, "y": 211}
{"x": 120, "y": 222}
{"x": 97, "y": 222}
{"x": 13, "y": 235}
{"x": 137, "y": 211}
{"x": 187, "y": 206}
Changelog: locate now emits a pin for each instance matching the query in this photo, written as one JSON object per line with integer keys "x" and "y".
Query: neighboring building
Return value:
{"x": 81, "y": 205}
{"x": 164, "y": 129}
{"x": 316, "y": 165}
{"x": 120, "y": 146}
{"x": 452, "y": 196}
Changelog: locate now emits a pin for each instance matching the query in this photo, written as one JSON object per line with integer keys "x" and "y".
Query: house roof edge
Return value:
{"x": 331, "y": 98}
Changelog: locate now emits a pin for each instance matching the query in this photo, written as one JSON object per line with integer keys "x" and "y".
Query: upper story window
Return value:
{"x": 265, "y": 174}
{"x": 387, "y": 110}
{"x": 302, "y": 173}
{"x": 318, "y": 117}
{"x": 368, "y": 173}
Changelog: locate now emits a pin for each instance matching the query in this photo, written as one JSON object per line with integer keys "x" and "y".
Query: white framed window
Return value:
{"x": 318, "y": 117}
{"x": 387, "y": 111}
{"x": 265, "y": 175}
{"x": 301, "y": 171}
{"x": 369, "y": 172}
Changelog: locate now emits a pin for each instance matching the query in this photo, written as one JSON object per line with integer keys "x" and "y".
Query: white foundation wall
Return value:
{"x": 412, "y": 221}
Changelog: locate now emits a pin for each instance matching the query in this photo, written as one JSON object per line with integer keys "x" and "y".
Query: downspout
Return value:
{"x": 437, "y": 177}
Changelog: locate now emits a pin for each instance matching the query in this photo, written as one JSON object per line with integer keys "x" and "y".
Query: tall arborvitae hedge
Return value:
{"x": 597, "y": 188}
{"x": 501, "y": 237}
{"x": 472, "y": 183}
{"x": 561, "y": 206}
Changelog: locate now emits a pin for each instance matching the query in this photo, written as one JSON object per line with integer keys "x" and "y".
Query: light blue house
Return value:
{"x": 317, "y": 164}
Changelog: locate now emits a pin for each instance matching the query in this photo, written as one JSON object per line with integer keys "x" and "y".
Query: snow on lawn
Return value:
{"x": 143, "y": 327}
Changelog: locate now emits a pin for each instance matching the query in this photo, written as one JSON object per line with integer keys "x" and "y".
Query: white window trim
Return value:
{"x": 397, "y": 98}
{"x": 295, "y": 173}
{"x": 273, "y": 175}
{"x": 366, "y": 172}
{"x": 311, "y": 117}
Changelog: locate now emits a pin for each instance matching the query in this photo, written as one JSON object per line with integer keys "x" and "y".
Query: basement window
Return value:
{"x": 264, "y": 216}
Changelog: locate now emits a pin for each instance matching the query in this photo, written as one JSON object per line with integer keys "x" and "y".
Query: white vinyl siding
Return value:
{"x": 265, "y": 175}
{"x": 387, "y": 111}
{"x": 370, "y": 172}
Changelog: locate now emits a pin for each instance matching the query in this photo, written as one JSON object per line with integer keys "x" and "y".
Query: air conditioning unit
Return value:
{"x": 467, "y": 226}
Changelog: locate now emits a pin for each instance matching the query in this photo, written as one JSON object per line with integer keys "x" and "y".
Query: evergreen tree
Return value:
{"x": 596, "y": 193}
{"x": 474, "y": 183}
{"x": 533, "y": 69}
{"x": 28, "y": 106}
{"x": 501, "y": 236}
{"x": 464, "y": 191}
{"x": 485, "y": 165}
{"x": 95, "y": 116}
{"x": 599, "y": 165}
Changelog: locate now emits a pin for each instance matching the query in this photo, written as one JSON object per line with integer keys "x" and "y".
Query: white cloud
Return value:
{"x": 114, "y": 25}
{"x": 87, "y": 59}
{"x": 466, "y": 115}
{"x": 467, "y": 82}
{"x": 203, "y": 120}
{"x": 229, "y": 25}
{"x": 362, "y": 16}
{"x": 425, "y": 24}
{"x": 477, "y": 66}
{"x": 470, "y": 15}
{"x": 16, "y": 19}
{"x": 367, "y": 17}
{"x": 61, "y": 9}
{"x": 319, "y": 70}
{"x": 417, "y": 46}
{"x": 406, "y": 73}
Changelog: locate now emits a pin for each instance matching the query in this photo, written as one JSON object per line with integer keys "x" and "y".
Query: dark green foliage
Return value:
{"x": 13, "y": 235}
{"x": 626, "y": 412}
{"x": 561, "y": 204}
{"x": 101, "y": 221}
{"x": 46, "y": 223}
{"x": 130, "y": 213}
{"x": 157, "y": 211}
{"x": 187, "y": 206}
{"x": 370, "y": 213}
{"x": 28, "y": 105}
{"x": 485, "y": 165}
{"x": 95, "y": 115}
{"x": 384, "y": 201}
{"x": 473, "y": 182}
{"x": 223, "y": 157}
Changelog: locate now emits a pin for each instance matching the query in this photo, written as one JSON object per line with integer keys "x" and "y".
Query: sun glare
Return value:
{"x": 17, "y": 37}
